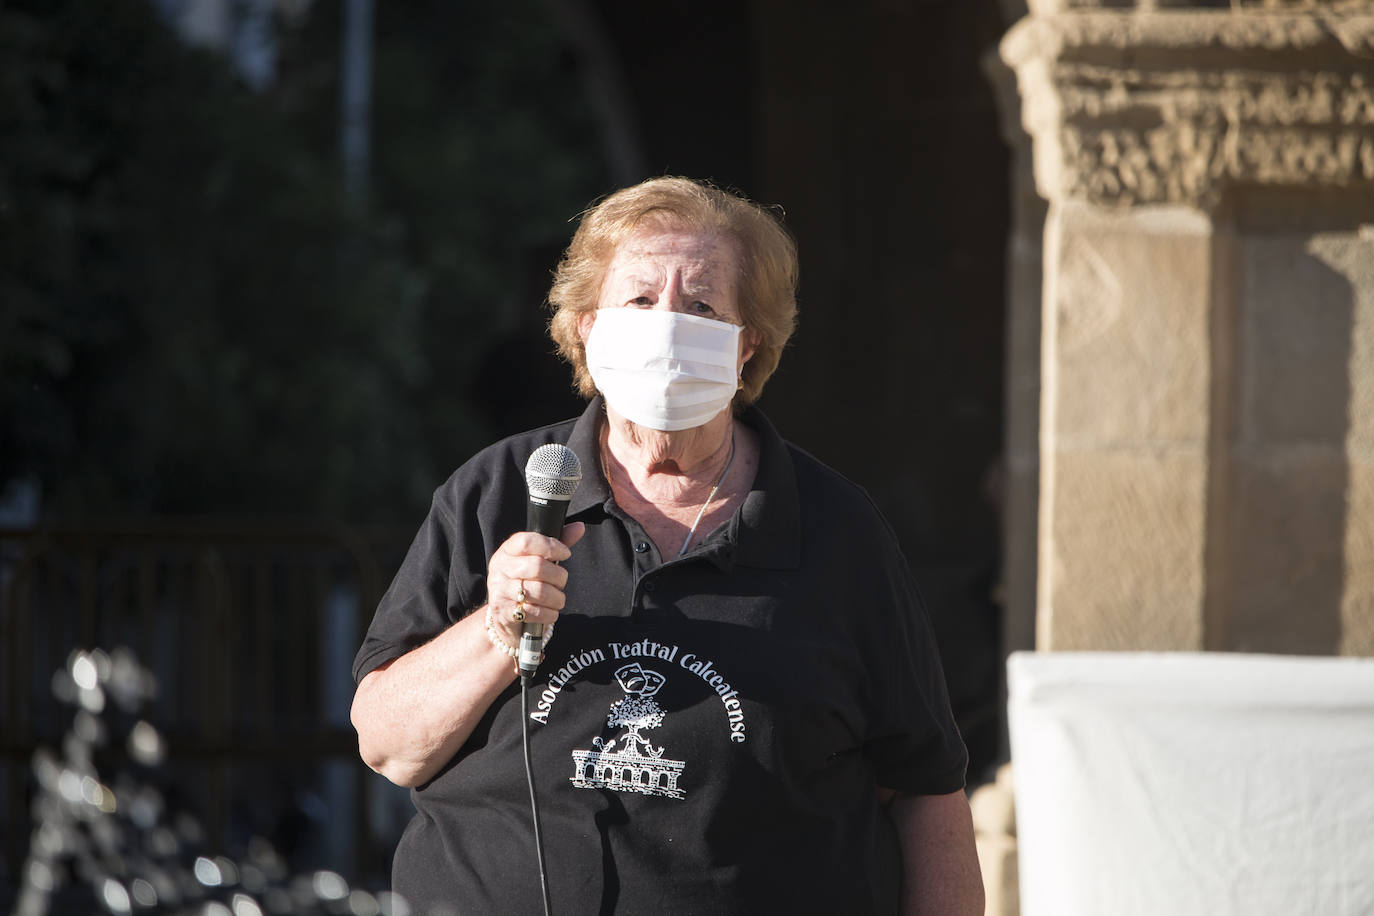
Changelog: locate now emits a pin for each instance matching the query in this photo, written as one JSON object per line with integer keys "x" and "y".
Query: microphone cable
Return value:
{"x": 534, "y": 802}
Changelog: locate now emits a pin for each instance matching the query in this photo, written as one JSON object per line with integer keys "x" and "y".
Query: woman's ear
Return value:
{"x": 585, "y": 320}
{"x": 749, "y": 341}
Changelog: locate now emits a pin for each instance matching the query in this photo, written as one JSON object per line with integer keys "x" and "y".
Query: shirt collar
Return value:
{"x": 585, "y": 441}
{"x": 770, "y": 521}
{"x": 767, "y": 530}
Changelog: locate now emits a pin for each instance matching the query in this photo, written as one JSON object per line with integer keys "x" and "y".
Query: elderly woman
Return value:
{"x": 742, "y": 709}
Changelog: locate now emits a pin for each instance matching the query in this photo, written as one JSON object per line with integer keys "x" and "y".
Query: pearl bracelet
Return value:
{"x": 506, "y": 648}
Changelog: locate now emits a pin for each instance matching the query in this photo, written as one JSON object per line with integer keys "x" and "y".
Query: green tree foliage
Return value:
{"x": 194, "y": 318}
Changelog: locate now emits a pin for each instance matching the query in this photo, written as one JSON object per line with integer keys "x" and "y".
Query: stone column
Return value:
{"x": 1207, "y": 338}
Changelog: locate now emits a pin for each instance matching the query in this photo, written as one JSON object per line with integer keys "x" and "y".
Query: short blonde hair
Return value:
{"x": 767, "y": 263}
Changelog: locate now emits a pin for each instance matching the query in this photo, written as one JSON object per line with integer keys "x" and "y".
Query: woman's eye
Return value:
{"x": 702, "y": 308}
{"x": 641, "y": 300}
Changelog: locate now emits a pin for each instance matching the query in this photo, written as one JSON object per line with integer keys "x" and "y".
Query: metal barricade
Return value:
{"x": 249, "y": 630}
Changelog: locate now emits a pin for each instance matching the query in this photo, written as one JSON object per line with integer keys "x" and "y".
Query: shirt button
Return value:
{"x": 642, "y": 547}
{"x": 650, "y": 586}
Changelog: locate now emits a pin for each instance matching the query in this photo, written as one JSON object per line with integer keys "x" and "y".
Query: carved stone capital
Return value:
{"x": 1172, "y": 106}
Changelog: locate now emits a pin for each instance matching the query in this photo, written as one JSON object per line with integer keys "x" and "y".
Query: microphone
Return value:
{"x": 551, "y": 476}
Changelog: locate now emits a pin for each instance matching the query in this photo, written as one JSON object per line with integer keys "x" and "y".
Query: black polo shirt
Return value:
{"x": 708, "y": 733}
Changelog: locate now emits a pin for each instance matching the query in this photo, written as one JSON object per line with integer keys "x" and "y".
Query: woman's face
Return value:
{"x": 676, "y": 271}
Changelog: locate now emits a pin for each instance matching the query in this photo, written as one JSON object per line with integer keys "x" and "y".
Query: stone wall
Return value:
{"x": 1197, "y": 362}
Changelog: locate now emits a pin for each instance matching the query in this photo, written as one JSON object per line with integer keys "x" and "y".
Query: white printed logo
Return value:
{"x": 629, "y": 762}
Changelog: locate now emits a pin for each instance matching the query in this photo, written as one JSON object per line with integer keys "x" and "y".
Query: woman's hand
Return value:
{"x": 524, "y": 581}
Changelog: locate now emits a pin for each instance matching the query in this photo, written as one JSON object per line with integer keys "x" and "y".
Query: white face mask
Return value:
{"x": 664, "y": 370}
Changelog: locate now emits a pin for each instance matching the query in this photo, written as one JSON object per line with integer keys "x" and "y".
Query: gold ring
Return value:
{"x": 518, "y": 615}
{"x": 521, "y": 597}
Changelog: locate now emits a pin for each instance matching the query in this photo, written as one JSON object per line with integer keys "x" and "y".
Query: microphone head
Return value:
{"x": 553, "y": 472}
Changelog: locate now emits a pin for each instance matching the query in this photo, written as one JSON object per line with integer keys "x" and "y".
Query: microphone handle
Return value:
{"x": 544, "y": 516}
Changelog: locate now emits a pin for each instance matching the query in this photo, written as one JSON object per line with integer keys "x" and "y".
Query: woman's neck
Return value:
{"x": 667, "y": 468}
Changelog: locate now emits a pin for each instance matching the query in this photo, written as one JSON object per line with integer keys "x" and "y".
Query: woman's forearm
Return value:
{"x": 940, "y": 873}
{"x": 414, "y": 713}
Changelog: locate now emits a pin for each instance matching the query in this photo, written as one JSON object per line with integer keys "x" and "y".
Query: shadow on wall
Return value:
{"x": 1280, "y": 481}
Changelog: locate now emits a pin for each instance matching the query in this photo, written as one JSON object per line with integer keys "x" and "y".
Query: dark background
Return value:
{"x": 199, "y": 323}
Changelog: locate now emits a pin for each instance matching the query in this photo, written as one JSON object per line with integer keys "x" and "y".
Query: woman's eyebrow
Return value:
{"x": 642, "y": 278}
{"x": 702, "y": 286}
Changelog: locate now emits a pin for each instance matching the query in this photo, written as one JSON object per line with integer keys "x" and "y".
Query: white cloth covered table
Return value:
{"x": 1193, "y": 783}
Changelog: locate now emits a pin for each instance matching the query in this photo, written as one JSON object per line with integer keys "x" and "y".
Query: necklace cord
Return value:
{"x": 691, "y": 532}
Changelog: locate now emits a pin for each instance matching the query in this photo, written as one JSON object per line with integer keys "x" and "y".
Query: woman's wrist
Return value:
{"x": 495, "y": 635}
{"x": 497, "y": 641}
